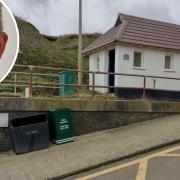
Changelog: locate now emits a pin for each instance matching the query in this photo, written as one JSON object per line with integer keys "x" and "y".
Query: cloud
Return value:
{"x": 57, "y": 17}
{"x": 33, "y": 11}
{"x": 152, "y": 9}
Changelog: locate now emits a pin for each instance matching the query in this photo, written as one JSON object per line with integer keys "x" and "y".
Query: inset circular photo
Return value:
{"x": 9, "y": 40}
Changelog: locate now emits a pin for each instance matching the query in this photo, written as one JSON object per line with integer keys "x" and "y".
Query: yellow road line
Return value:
{"x": 118, "y": 167}
{"x": 141, "y": 174}
{"x": 169, "y": 155}
{"x": 108, "y": 170}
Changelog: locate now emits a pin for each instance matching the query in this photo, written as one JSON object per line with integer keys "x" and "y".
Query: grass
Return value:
{"x": 60, "y": 51}
{"x": 37, "y": 49}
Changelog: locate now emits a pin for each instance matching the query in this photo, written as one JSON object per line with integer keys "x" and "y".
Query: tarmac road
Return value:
{"x": 163, "y": 164}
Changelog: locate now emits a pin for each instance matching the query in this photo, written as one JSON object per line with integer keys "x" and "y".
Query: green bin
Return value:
{"x": 61, "y": 126}
{"x": 67, "y": 77}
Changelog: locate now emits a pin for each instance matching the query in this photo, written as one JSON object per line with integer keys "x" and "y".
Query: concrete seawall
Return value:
{"x": 88, "y": 115}
{"x": 85, "y": 105}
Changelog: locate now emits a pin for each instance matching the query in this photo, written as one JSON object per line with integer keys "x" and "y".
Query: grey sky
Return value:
{"x": 57, "y": 17}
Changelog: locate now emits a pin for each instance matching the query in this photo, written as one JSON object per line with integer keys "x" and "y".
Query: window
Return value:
{"x": 97, "y": 63}
{"x": 168, "y": 62}
{"x": 137, "y": 59}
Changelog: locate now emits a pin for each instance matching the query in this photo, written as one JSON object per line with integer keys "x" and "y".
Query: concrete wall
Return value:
{"x": 88, "y": 115}
{"x": 5, "y": 141}
{"x": 153, "y": 65}
{"x": 86, "y": 122}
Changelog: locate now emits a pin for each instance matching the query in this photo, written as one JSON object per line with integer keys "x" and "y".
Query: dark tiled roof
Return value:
{"x": 140, "y": 31}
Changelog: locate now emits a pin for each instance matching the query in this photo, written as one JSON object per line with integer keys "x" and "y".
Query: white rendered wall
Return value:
{"x": 100, "y": 79}
{"x": 153, "y": 66}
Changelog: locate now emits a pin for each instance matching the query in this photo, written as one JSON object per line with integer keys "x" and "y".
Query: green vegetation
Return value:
{"x": 61, "y": 51}
{"x": 50, "y": 51}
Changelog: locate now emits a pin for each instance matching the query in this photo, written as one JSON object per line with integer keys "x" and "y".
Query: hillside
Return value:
{"x": 37, "y": 49}
{"x": 60, "y": 51}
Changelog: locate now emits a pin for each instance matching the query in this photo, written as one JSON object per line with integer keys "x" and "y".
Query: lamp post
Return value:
{"x": 80, "y": 44}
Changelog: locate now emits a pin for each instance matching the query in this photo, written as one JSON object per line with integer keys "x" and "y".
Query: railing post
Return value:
{"x": 144, "y": 88}
{"x": 30, "y": 81}
{"x": 93, "y": 83}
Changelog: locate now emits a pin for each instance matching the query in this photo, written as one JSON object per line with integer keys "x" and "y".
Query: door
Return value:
{"x": 111, "y": 69}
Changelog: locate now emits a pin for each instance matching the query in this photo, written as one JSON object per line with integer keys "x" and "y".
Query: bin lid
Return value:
{"x": 59, "y": 109}
{"x": 63, "y": 72}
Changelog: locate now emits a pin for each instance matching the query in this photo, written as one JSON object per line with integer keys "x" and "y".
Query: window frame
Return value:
{"x": 142, "y": 59}
{"x": 97, "y": 62}
{"x": 171, "y": 62}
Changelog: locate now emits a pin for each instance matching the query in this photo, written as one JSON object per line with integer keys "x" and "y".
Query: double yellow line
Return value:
{"x": 143, "y": 164}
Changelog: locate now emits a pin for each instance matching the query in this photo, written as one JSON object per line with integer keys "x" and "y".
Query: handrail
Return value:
{"x": 50, "y": 68}
{"x": 96, "y": 72}
{"x": 31, "y": 84}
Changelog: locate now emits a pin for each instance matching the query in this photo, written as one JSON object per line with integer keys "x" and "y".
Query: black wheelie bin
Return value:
{"x": 29, "y": 133}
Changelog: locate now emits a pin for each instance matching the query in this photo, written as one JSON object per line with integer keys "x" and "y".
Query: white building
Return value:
{"x": 137, "y": 46}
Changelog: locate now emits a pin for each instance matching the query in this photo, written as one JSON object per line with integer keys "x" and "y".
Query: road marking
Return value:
{"x": 108, "y": 170}
{"x": 169, "y": 155}
{"x": 121, "y": 166}
{"x": 141, "y": 174}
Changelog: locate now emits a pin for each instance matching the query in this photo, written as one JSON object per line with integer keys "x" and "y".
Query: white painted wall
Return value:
{"x": 153, "y": 61}
{"x": 100, "y": 79}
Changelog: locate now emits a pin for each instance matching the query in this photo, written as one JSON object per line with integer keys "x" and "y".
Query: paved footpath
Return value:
{"x": 91, "y": 150}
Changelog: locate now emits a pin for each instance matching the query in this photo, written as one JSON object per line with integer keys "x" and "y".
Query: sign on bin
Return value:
{"x": 61, "y": 126}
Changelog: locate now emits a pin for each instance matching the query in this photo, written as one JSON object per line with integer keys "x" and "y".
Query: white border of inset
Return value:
{"x": 17, "y": 33}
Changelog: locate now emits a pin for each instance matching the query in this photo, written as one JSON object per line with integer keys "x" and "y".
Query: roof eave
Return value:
{"x": 87, "y": 53}
{"x": 116, "y": 42}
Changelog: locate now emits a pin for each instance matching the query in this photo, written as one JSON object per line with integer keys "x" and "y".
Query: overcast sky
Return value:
{"x": 56, "y": 17}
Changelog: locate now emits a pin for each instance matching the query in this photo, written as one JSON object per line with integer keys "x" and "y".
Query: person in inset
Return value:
{"x": 3, "y": 35}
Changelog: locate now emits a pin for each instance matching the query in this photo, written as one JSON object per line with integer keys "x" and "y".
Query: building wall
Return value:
{"x": 100, "y": 79}
{"x": 154, "y": 62}
{"x": 153, "y": 65}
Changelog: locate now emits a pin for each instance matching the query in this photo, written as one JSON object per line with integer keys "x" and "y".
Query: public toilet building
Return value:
{"x": 137, "y": 46}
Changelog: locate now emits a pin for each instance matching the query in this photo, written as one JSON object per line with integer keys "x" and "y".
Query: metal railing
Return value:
{"x": 20, "y": 71}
